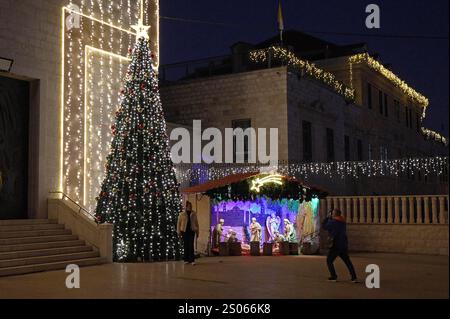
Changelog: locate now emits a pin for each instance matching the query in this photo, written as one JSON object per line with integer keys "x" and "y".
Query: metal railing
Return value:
{"x": 81, "y": 209}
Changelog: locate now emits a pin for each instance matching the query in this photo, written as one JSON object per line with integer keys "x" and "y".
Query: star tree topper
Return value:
{"x": 141, "y": 29}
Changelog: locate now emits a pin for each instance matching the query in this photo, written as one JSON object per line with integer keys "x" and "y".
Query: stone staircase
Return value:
{"x": 36, "y": 245}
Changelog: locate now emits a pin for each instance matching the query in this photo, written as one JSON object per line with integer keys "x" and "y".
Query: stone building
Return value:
{"x": 317, "y": 121}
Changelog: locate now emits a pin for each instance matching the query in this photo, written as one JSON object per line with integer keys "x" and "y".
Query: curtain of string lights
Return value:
{"x": 433, "y": 166}
{"x": 94, "y": 60}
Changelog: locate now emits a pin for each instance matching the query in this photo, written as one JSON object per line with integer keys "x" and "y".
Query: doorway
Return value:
{"x": 14, "y": 145}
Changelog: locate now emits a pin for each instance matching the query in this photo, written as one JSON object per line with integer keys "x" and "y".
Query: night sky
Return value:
{"x": 422, "y": 63}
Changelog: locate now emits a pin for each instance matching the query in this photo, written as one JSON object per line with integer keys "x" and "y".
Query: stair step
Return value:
{"x": 30, "y": 227}
{"x": 44, "y": 252}
{"x": 41, "y": 239}
{"x": 34, "y": 233}
{"x": 11, "y": 271}
{"x": 47, "y": 259}
{"x": 12, "y": 222}
{"x": 38, "y": 246}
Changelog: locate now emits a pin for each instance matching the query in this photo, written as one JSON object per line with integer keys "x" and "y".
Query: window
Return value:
{"x": 330, "y": 145}
{"x": 383, "y": 153}
{"x": 406, "y": 114}
{"x": 410, "y": 118}
{"x": 397, "y": 110}
{"x": 307, "y": 141}
{"x": 369, "y": 95}
{"x": 360, "y": 150}
{"x": 417, "y": 122}
{"x": 386, "y": 106}
{"x": 347, "y": 148}
{"x": 243, "y": 124}
{"x": 380, "y": 101}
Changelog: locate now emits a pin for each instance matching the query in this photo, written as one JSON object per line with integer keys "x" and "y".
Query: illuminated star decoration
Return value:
{"x": 260, "y": 182}
{"x": 141, "y": 29}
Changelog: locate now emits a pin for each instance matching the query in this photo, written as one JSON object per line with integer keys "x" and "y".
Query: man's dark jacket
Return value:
{"x": 337, "y": 229}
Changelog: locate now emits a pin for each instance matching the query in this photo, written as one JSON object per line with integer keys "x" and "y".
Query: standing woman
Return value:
{"x": 187, "y": 227}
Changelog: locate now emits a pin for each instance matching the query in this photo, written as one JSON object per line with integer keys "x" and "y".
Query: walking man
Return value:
{"x": 336, "y": 226}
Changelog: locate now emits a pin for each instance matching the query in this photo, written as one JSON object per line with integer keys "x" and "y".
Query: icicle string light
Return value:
{"x": 432, "y": 135}
{"x": 434, "y": 166}
{"x": 388, "y": 74}
{"x": 302, "y": 66}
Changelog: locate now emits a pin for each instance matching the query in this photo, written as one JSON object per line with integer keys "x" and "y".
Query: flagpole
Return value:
{"x": 280, "y": 21}
{"x": 281, "y": 37}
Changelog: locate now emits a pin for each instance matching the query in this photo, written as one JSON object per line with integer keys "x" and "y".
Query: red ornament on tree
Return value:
{"x": 143, "y": 86}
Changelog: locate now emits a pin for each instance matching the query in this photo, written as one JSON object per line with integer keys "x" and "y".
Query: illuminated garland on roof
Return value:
{"x": 303, "y": 66}
{"x": 432, "y": 166}
{"x": 430, "y": 134}
{"x": 388, "y": 74}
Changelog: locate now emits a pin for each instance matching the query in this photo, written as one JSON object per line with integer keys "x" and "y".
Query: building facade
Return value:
{"x": 316, "y": 123}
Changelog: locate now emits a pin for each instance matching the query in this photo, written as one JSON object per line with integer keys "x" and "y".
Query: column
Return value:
{"x": 419, "y": 210}
{"x": 362, "y": 215}
{"x": 383, "y": 210}
{"x": 323, "y": 208}
{"x": 328, "y": 205}
{"x": 376, "y": 210}
{"x": 426, "y": 211}
{"x": 355, "y": 210}
{"x": 397, "y": 210}
{"x": 412, "y": 220}
{"x": 348, "y": 209}
{"x": 389, "y": 210}
{"x": 434, "y": 215}
{"x": 442, "y": 217}
{"x": 369, "y": 210}
{"x": 404, "y": 211}
{"x": 342, "y": 208}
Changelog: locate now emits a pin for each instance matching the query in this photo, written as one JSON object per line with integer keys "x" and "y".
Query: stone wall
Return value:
{"x": 259, "y": 96}
{"x": 408, "y": 239}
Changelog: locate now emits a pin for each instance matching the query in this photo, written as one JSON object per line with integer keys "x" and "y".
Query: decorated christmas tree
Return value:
{"x": 140, "y": 193}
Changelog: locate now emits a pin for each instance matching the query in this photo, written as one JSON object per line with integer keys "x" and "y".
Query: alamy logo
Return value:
{"x": 73, "y": 20}
{"x": 373, "y": 19}
{"x": 373, "y": 279}
{"x": 73, "y": 280}
{"x": 239, "y": 145}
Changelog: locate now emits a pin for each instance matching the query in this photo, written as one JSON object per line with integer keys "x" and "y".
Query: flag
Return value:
{"x": 280, "y": 17}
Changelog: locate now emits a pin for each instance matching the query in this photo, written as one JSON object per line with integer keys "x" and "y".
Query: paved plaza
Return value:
{"x": 292, "y": 277}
